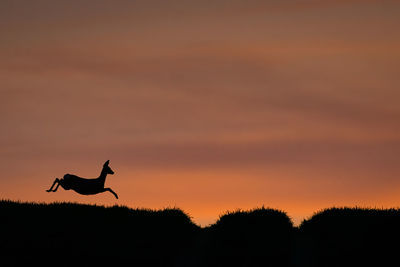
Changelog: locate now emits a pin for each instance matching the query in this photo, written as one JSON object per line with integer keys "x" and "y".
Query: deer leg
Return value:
{"x": 51, "y": 188}
{"x": 55, "y": 189}
{"x": 111, "y": 191}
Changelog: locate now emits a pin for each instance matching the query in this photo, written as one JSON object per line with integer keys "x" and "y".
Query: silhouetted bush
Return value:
{"x": 351, "y": 237}
{"x": 260, "y": 237}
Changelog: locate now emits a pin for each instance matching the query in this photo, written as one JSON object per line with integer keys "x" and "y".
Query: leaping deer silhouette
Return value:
{"x": 85, "y": 186}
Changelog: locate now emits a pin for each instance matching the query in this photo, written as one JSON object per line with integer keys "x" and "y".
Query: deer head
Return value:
{"x": 107, "y": 168}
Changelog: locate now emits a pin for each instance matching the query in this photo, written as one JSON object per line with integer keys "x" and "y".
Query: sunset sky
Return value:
{"x": 207, "y": 106}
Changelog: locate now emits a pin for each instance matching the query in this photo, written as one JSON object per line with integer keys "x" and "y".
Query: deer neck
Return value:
{"x": 103, "y": 175}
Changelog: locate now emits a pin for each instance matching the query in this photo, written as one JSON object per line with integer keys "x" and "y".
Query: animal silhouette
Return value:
{"x": 85, "y": 186}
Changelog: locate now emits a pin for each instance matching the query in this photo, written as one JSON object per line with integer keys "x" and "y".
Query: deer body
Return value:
{"x": 85, "y": 186}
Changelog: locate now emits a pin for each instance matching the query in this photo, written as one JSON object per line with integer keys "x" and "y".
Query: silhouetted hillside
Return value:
{"x": 351, "y": 237}
{"x": 66, "y": 234}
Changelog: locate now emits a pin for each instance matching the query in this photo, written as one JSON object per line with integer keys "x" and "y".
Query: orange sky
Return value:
{"x": 204, "y": 105}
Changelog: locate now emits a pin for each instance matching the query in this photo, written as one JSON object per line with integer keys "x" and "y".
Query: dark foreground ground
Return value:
{"x": 65, "y": 234}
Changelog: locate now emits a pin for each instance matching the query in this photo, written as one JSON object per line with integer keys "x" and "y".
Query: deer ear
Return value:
{"x": 106, "y": 163}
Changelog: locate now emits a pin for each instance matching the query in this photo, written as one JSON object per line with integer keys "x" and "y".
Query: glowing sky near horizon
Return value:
{"x": 208, "y": 106}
